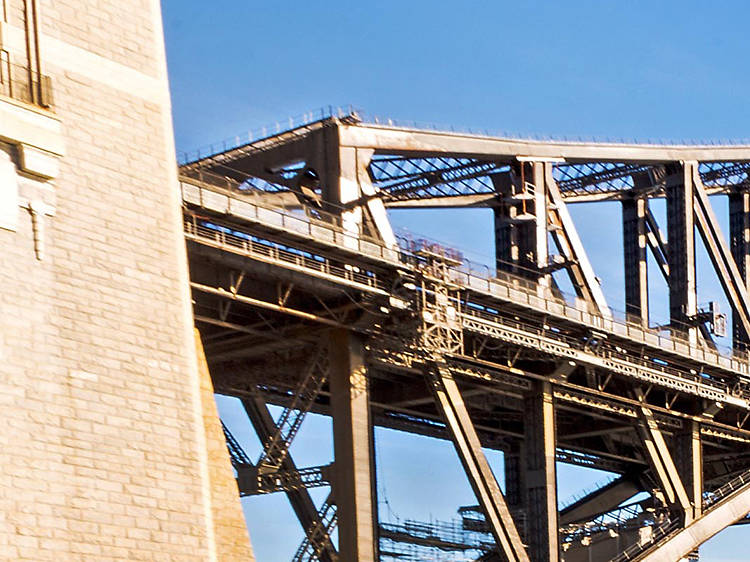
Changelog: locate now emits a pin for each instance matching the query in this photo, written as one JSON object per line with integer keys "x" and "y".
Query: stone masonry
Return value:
{"x": 104, "y": 453}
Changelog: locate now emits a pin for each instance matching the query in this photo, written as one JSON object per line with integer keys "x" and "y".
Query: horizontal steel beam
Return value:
{"x": 252, "y": 482}
{"x": 394, "y": 140}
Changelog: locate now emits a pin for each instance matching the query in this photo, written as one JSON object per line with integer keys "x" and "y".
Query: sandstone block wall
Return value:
{"x": 103, "y": 450}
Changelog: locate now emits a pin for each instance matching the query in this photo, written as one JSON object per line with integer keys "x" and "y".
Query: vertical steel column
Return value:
{"x": 353, "y": 485}
{"x": 739, "y": 241}
{"x": 521, "y": 220}
{"x": 541, "y": 475}
{"x": 689, "y": 463}
{"x": 515, "y": 475}
{"x": 540, "y": 224}
{"x": 681, "y": 236}
{"x": 506, "y": 248}
{"x": 636, "y": 265}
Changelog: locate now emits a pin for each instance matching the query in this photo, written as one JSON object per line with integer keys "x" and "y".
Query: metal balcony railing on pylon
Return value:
{"x": 24, "y": 84}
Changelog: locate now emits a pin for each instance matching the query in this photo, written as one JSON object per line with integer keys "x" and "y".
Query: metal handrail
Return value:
{"x": 710, "y": 502}
{"x": 411, "y": 125}
{"x": 209, "y": 230}
{"x": 260, "y": 133}
{"x": 658, "y": 533}
{"x": 710, "y": 499}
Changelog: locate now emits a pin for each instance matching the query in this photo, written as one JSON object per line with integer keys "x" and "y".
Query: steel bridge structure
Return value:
{"x": 306, "y": 299}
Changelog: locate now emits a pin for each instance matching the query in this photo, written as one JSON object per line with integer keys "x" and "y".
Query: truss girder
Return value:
{"x": 403, "y": 178}
{"x": 451, "y": 405}
{"x": 312, "y": 546}
{"x": 236, "y": 453}
{"x": 725, "y": 174}
{"x": 290, "y": 421}
{"x": 299, "y": 498}
{"x": 596, "y": 177}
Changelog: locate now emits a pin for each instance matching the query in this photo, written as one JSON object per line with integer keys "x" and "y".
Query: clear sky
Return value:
{"x": 637, "y": 69}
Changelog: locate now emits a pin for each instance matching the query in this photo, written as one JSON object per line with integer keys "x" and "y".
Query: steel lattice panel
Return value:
{"x": 420, "y": 178}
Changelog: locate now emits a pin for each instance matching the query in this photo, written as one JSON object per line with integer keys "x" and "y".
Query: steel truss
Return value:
{"x": 306, "y": 299}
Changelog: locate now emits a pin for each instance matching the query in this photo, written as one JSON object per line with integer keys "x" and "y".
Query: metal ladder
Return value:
{"x": 277, "y": 446}
{"x": 313, "y": 544}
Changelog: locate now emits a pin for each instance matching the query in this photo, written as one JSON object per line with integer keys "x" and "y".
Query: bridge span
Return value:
{"x": 306, "y": 298}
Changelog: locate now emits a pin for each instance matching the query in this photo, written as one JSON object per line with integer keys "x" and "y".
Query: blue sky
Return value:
{"x": 638, "y": 69}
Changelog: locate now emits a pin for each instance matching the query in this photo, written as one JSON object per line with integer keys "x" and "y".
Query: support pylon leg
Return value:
{"x": 689, "y": 463}
{"x": 541, "y": 475}
{"x": 353, "y": 484}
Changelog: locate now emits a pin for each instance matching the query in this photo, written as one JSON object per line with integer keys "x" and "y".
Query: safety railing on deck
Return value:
{"x": 260, "y": 133}
{"x": 658, "y": 533}
{"x": 619, "y": 519}
{"x": 316, "y": 224}
{"x": 24, "y": 84}
{"x": 327, "y": 228}
{"x": 226, "y": 237}
{"x": 712, "y": 498}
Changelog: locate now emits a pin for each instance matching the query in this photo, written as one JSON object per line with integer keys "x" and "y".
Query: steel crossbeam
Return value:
{"x": 252, "y": 482}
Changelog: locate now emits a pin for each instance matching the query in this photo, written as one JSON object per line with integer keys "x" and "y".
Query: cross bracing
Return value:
{"x": 414, "y": 178}
{"x": 291, "y": 251}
